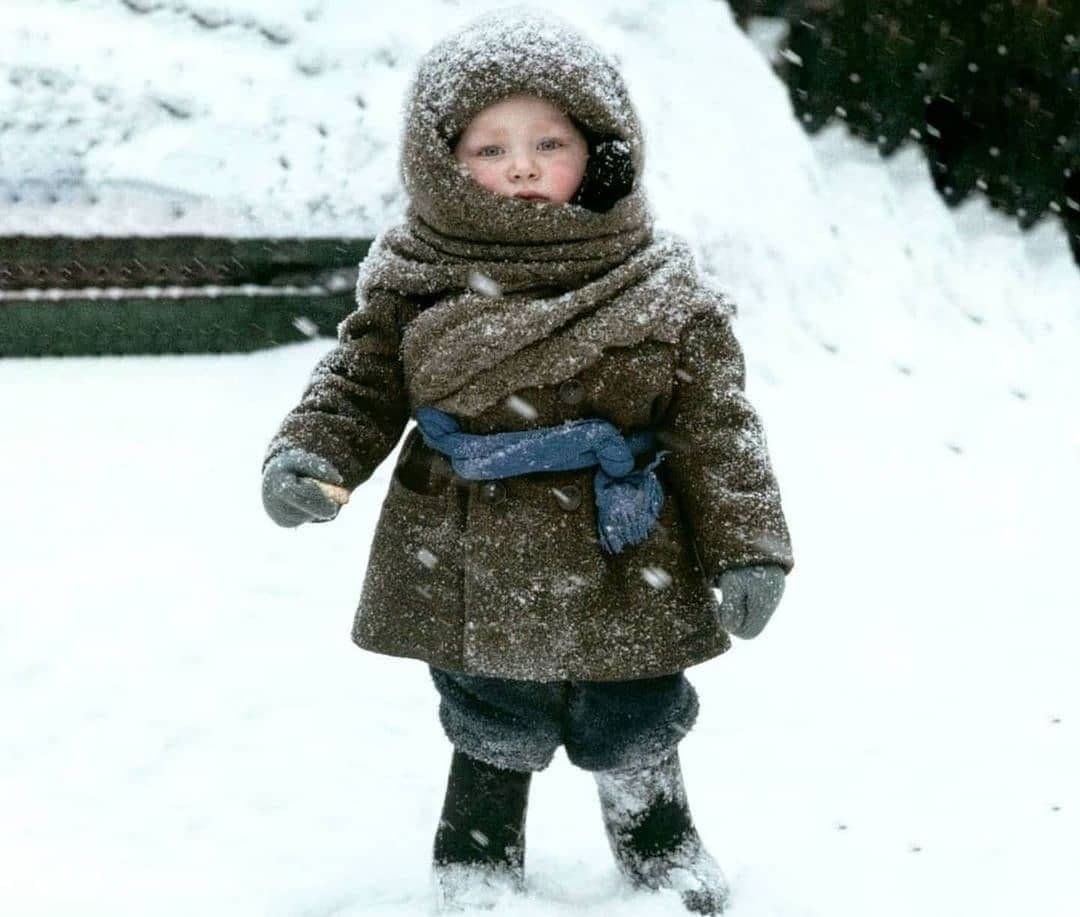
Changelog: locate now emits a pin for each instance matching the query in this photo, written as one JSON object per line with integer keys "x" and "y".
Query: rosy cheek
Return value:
{"x": 564, "y": 177}
{"x": 484, "y": 174}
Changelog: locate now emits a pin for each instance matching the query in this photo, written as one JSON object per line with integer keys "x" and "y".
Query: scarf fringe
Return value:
{"x": 628, "y": 508}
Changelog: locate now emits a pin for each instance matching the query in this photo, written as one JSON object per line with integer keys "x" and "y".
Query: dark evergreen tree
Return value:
{"x": 991, "y": 91}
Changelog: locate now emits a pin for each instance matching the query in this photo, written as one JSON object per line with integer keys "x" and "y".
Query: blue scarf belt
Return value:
{"x": 628, "y": 502}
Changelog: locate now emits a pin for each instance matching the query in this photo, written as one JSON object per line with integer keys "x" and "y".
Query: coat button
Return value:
{"x": 493, "y": 492}
{"x": 568, "y": 496}
{"x": 571, "y": 391}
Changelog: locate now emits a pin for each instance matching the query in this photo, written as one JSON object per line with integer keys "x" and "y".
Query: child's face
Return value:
{"x": 523, "y": 146}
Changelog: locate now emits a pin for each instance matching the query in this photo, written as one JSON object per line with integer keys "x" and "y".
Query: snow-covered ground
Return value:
{"x": 185, "y": 727}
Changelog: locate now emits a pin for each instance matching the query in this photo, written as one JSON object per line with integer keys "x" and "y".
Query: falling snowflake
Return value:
{"x": 428, "y": 559}
{"x": 483, "y": 284}
{"x": 657, "y": 577}
{"x": 305, "y": 326}
{"x": 520, "y": 406}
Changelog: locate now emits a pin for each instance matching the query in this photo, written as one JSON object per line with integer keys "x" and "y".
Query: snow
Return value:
{"x": 186, "y": 725}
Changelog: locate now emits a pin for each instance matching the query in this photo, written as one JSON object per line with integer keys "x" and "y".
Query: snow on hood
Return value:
{"x": 512, "y": 50}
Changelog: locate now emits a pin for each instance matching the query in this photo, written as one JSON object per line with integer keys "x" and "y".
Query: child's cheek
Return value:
{"x": 564, "y": 176}
{"x": 483, "y": 174}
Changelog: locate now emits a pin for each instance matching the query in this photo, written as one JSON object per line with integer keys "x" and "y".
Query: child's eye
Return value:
{"x": 550, "y": 143}
{"x": 491, "y": 150}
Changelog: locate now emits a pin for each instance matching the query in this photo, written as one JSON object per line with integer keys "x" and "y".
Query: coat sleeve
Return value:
{"x": 355, "y": 406}
{"x": 718, "y": 462}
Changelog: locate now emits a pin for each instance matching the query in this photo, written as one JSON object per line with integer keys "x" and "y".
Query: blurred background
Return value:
{"x": 175, "y": 130}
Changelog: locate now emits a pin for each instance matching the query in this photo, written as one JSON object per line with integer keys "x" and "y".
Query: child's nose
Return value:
{"x": 524, "y": 167}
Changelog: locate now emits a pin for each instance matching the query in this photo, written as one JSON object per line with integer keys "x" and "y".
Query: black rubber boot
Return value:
{"x": 479, "y": 850}
{"x": 653, "y": 837}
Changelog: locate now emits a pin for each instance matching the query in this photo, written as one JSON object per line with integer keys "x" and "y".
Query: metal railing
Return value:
{"x": 63, "y": 296}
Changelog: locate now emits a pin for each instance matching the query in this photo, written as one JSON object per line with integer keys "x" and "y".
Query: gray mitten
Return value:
{"x": 288, "y": 493}
{"x": 749, "y": 596}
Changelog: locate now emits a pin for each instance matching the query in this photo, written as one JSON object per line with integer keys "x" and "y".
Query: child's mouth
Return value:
{"x": 530, "y": 196}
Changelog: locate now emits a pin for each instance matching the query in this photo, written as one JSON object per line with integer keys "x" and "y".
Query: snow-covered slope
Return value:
{"x": 186, "y": 727}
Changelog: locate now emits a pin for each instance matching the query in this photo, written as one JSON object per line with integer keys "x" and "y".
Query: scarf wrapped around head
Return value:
{"x": 521, "y": 293}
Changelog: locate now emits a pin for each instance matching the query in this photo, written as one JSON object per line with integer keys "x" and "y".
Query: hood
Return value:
{"x": 514, "y": 50}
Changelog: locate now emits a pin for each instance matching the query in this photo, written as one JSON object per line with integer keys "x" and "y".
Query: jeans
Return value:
{"x": 518, "y": 725}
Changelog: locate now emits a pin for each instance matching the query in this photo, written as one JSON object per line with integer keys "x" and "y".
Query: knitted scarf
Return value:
{"x": 628, "y": 502}
{"x": 521, "y": 293}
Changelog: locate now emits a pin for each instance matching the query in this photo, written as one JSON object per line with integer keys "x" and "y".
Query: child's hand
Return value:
{"x": 748, "y": 597}
{"x": 300, "y": 487}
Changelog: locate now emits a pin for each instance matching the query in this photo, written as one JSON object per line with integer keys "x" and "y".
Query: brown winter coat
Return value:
{"x": 595, "y": 316}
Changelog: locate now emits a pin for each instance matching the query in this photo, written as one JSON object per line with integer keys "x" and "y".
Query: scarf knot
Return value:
{"x": 628, "y": 502}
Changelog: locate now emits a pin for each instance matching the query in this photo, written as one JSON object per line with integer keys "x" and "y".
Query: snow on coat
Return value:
{"x": 515, "y": 316}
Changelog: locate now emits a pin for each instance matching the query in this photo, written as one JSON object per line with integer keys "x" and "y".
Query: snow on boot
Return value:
{"x": 653, "y": 836}
{"x": 479, "y": 854}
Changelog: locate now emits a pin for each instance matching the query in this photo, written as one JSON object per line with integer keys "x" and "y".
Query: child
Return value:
{"x": 584, "y": 467}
